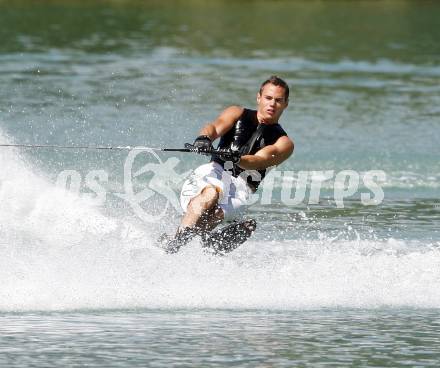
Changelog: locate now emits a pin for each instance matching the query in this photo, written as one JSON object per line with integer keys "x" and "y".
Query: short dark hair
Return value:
{"x": 276, "y": 81}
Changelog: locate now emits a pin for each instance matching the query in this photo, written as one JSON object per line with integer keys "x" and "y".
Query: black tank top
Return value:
{"x": 242, "y": 137}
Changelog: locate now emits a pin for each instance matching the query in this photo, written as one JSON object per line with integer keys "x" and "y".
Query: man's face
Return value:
{"x": 271, "y": 103}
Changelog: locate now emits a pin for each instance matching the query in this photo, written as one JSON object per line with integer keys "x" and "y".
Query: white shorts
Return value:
{"x": 234, "y": 192}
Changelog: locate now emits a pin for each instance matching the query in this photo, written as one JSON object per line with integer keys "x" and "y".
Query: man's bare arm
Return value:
{"x": 224, "y": 122}
{"x": 268, "y": 156}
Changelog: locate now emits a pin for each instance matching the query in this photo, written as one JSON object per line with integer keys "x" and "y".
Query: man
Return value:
{"x": 251, "y": 141}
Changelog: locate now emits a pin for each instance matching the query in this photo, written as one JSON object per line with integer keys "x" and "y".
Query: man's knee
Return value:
{"x": 210, "y": 194}
{"x": 207, "y": 199}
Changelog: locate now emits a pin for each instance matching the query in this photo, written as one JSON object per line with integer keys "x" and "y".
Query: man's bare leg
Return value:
{"x": 203, "y": 212}
{"x": 202, "y": 215}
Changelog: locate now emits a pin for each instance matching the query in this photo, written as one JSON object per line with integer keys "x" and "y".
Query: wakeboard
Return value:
{"x": 218, "y": 242}
{"x": 229, "y": 237}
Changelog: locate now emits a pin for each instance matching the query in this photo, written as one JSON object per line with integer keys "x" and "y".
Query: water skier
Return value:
{"x": 253, "y": 141}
